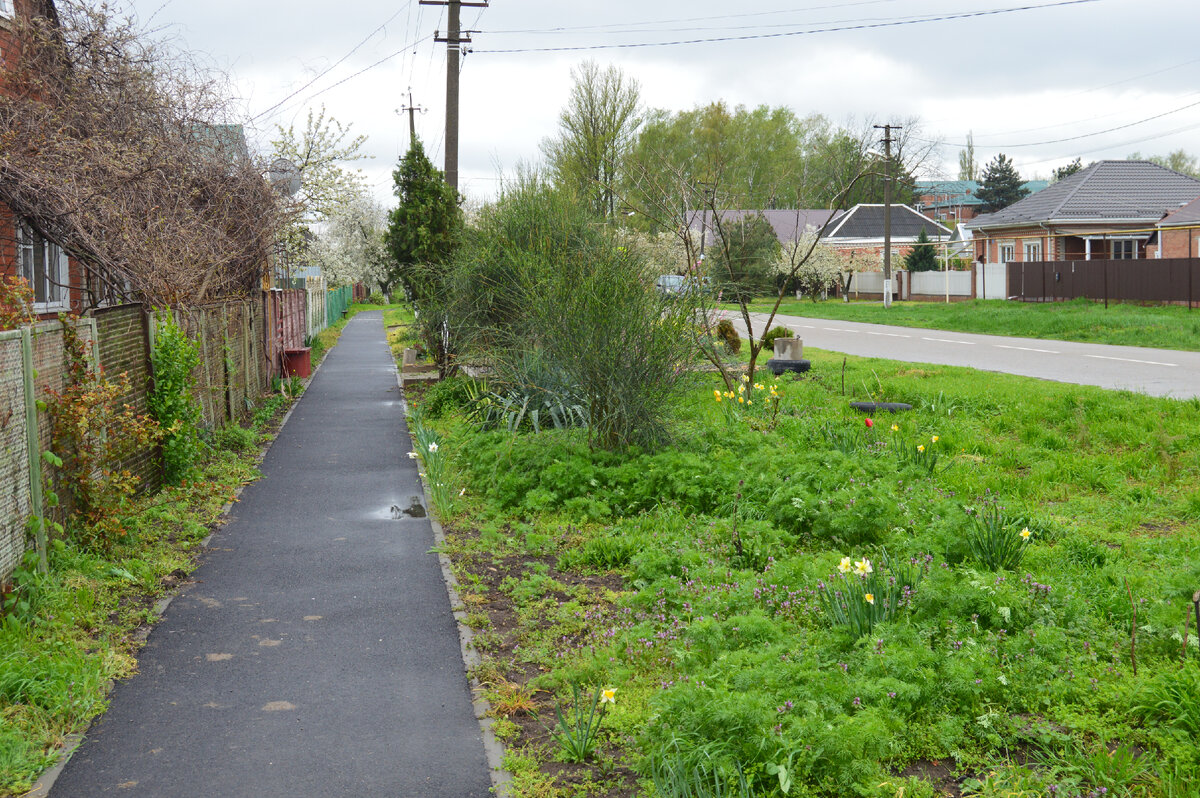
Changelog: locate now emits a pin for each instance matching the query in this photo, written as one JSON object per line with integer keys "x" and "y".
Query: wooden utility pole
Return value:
{"x": 887, "y": 211}
{"x": 454, "y": 39}
{"x": 412, "y": 123}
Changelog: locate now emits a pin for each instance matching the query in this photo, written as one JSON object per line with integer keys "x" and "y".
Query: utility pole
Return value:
{"x": 412, "y": 123}
{"x": 454, "y": 39}
{"x": 887, "y": 211}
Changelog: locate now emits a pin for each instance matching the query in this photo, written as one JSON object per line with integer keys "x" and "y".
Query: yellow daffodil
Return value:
{"x": 1025, "y": 533}
{"x": 774, "y": 392}
{"x": 758, "y": 386}
{"x": 921, "y": 448}
{"x": 717, "y": 394}
{"x": 870, "y": 597}
{"x": 741, "y": 389}
{"x": 844, "y": 566}
{"x": 895, "y": 428}
{"x": 729, "y": 394}
{"x": 750, "y": 402}
{"x": 745, "y": 378}
{"x": 741, "y": 400}
{"x": 608, "y": 696}
{"x": 935, "y": 439}
{"x": 863, "y": 567}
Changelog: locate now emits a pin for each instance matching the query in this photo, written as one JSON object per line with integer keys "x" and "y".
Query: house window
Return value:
{"x": 1033, "y": 251}
{"x": 44, "y": 265}
{"x": 1007, "y": 253}
{"x": 1124, "y": 250}
{"x": 6, "y": 8}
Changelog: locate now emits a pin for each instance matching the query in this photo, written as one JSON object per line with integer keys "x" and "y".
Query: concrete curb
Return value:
{"x": 493, "y": 749}
{"x": 45, "y": 783}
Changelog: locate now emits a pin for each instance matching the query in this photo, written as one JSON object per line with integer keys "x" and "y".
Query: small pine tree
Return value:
{"x": 1001, "y": 185}
{"x": 922, "y": 258}
{"x": 426, "y": 227}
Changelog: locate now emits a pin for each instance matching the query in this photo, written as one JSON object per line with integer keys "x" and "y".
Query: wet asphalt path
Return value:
{"x": 1156, "y": 372}
{"x": 316, "y": 653}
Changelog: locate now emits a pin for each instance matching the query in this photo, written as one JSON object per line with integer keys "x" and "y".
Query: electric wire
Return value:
{"x": 336, "y": 64}
{"x": 785, "y": 34}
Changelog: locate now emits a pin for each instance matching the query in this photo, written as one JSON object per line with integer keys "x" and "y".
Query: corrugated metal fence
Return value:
{"x": 1175, "y": 280}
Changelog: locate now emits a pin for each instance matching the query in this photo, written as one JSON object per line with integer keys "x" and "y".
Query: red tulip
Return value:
{"x": 870, "y": 423}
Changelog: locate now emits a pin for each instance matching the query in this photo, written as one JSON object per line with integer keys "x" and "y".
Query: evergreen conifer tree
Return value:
{"x": 922, "y": 258}
{"x": 1001, "y": 185}
{"x": 426, "y": 227}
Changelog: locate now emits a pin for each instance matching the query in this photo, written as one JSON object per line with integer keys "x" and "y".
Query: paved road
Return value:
{"x": 1157, "y": 372}
{"x": 316, "y": 653}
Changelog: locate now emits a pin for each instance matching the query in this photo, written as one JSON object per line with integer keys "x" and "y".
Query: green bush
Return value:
{"x": 775, "y": 332}
{"x": 729, "y": 336}
{"x": 171, "y": 400}
{"x": 376, "y": 298}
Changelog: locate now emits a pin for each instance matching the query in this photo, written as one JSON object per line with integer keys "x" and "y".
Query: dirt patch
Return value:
{"x": 937, "y": 772}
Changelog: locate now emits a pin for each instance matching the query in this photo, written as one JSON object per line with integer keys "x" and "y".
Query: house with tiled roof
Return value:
{"x": 957, "y": 200}
{"x": 1108, "y": 210}
{"x": 858, "y": 230}
{"x": 1178, "y": 234}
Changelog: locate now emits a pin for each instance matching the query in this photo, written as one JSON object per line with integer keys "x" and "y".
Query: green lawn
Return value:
{"x": 701, "y": 580}
{"x": 1132, "y": 325}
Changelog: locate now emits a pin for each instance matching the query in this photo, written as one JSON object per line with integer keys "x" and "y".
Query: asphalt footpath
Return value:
{"x": 316, "y": 653}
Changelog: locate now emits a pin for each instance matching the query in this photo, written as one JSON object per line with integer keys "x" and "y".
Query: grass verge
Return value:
{"x": 80, "y": 626}
{"x": 788, "y": 600}
{"x": 1159, "y": 327}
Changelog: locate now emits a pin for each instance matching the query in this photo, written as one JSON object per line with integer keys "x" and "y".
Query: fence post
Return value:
{"x": 1106, "y": 285}
{"x": 35, "y": 454}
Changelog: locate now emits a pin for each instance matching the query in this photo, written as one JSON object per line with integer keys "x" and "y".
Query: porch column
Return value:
{"x": 1087, "y": 249}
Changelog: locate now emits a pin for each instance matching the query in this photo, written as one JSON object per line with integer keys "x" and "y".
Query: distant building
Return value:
{"x": 956, "y": 201}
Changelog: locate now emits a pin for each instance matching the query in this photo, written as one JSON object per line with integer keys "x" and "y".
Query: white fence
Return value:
{"x": 950, "y": 283}
{"x": 991, "y": 281}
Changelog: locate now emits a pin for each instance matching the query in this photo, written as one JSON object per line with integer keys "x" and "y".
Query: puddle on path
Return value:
{"x": 413, "y": 508}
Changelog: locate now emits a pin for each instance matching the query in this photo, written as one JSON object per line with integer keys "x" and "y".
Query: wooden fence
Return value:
{"x": 1160, "y": 280}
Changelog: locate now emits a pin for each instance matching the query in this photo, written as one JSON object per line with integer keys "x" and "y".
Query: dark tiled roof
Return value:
{"x": 1106, "y": 190}
{"x": 1187, "y": 215}
{"x": 788, "y": 224}
{"x": 866, "y": 221}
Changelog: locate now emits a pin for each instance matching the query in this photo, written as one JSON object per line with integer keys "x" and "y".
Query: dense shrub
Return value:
{"x": 775, "y": 332}
{"x": 172, "y": 399}
{"x": 729, "y": 336}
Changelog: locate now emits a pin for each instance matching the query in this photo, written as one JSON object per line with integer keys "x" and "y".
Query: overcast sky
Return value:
{"x": 1041, "y": 85}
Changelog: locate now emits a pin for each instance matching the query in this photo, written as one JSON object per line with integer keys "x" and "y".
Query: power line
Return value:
{"x": 598, "y": 27}
{"x": 783, "y": 34}
{"x": 335, "y": 65}
{"x": 1081, "y": 135}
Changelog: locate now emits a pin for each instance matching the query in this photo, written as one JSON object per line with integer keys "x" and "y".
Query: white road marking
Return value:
{"x": 836, "y": 329}
{"x": 948, "y": 341}
{"x": 1027, "y": 349}
{"x": 1131, "y": 360}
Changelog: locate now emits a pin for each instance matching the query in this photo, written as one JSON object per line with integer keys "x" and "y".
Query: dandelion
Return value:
{"x": 921, "y": 448}
{"x": 870, "y": 598}
{"x": 935, "y": 439}
{"x": 863, "y": 567}
{"x": 1025, "y": 533}
{"x": 433, "y": 447}
{"x": 844, "y": 566}
{"x": 895, "y": 428}
{"x": 609, "y": 696}
{"x": 869, "y": 423}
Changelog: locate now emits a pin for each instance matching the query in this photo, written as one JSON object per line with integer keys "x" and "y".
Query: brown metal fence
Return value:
{"x": 1173, "y": 280}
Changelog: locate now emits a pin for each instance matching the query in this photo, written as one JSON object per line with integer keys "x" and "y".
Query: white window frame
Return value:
{"x": 1033, "y": 251}
{"x": 51, "y": 288}
{"x": 1007, "y": 249}
{"x": 1128, "y": 246}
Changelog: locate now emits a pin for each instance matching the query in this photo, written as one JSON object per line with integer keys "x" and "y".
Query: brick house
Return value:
{"x": 1178, "y": 234}
{"x": 1109, "y": 210}
{"x": 58, "y": 281}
